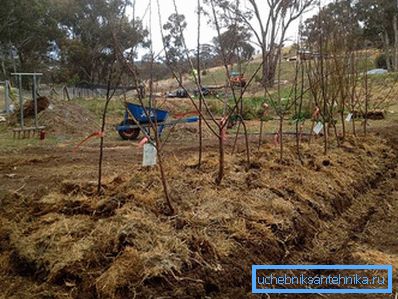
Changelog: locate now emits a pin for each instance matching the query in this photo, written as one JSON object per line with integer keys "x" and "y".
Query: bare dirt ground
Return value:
{"x": 60, "y": 240}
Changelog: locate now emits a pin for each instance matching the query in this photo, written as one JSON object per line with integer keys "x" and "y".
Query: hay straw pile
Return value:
{"x": 29, "y": 107}
{"x": 121, "y": 245}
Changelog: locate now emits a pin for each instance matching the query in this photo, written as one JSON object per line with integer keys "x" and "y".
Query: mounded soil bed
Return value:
{"x": 66, "y": 242}
{"x": 58, "y": 117}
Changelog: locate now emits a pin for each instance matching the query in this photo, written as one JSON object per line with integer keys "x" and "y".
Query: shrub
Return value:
{"x": 381, "y": 61}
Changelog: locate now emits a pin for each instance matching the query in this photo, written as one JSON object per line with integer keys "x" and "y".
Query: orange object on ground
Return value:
{"x": 316, "y": 113}
{"x": 182, "y": 115}
{"x": 238, "y": 80}
{"x": 98, "y": 134}
{"x": 42, "y": 135}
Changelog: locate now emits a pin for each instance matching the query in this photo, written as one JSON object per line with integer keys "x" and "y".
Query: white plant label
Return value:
{"x": 149, "y": 157}
{"x": 318, "y": 128}
{"x": 349, "y": 117}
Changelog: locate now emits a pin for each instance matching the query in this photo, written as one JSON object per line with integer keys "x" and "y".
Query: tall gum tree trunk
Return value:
{"x": 387, "y": 50}
{"x": 269, "y": 69}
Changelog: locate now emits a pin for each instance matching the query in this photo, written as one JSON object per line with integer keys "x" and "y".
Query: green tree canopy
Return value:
{"x": 30, "y": 29}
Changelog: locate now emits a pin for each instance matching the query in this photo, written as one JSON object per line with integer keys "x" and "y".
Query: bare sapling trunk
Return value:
{"x": 280, "y": 132}
{"x": 353, "y": 91}
{"x": 365, "y": 122}
{"x": 354, "y": 130}
{"x": 333, "y": 123}
{"x": 324, "y": 96}
{"x": 163, "y": 174}
{"x": 325, "y": 131}
{"x": 225, "y": 120}
{"x": 158, "y": 143}
{"x": 221, "y": 159}
{"x": 238, "y": 103}
{"x": 297, "y": 116}
{"x": 260, "y": 138}
{"x": 221, "y": 126}
{"x": 200, "y": 84}
{"x": 342, "y": 81}
{"x": 153, "y": 124}
{"x": 109, "y": 96}
{"x": 246, "y": 142}
{"x": 282, "y": 110}
{"x": 285, "y": 105}
{"x": 101, "y": 154}
{"x": 336, "y": 134}
{"x": 202, "y": 103}
{"x": 314, "y": 89}
{"x": 299, "y": 126}
{"x": 338, "y": 45}
{"x": 342, "y": 118}
{"x": 236, "y": 138}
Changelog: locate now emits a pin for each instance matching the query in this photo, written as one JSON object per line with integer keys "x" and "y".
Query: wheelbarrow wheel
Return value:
{"x": 129, "y": 134}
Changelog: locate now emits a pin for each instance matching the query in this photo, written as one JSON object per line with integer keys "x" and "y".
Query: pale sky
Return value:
{"x": 188, "y": 8}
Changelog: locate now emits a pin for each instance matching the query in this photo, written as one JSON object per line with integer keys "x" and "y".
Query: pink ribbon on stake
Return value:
{"x": 98, "y": 134}
{"x": 316, "y": 113}
{"x": 224, "y": 128}
{"x": 276, "y": 138}
{"x": 143, "y": 141}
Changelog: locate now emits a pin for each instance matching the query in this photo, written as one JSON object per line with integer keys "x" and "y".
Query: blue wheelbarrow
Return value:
{"x": 137, "y": 118}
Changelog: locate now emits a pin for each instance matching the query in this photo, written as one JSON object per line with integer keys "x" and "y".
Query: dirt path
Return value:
{"x": 380, "y": 235}
{"x": 367, "y": 232}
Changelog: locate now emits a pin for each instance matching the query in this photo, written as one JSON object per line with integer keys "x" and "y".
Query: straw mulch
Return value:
{"x": 121, "y": 244}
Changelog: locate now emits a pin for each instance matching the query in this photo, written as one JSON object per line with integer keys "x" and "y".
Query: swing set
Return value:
{"x": 22, "y": 130}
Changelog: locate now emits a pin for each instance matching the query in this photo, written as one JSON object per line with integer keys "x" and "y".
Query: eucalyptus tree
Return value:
{"x": 268, "y": 21}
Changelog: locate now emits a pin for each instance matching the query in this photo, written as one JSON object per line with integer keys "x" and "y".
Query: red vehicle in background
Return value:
{"x": 237, "y": 80}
